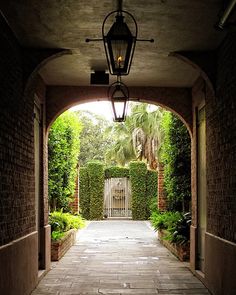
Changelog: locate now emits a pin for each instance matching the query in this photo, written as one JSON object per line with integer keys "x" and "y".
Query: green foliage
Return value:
{"x": 96, "y": 189}
{"x": 121, "y": 150}
{"x": 176, "y": 157}
{"x": 84, "y": 197}
{"x": 61, "y": 222}
{"x": 138, "y": 138}
{"x": 138, "y": 171}
{"x": 151, "y": 191}
{"x": 94, "y": 140}
{"x": 174, "y": 224}
{"x": 179, "y": 232}
{"x": 165, "y": 220}
{"x": 116, "y": 172}
{"x": 57, "y": 235}
{"x": 63, "y": 151}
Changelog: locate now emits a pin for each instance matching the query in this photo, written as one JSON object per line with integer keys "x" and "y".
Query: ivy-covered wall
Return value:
{"x": 91, "y": 188}
{"x": 84, "y": 198}
{"x": 138, "y": 171}
{"x": 176, "y": 157}
{"x": 96, "y": 189}
{"x": 116, "y": 172}
{"x": 151, "y": 187}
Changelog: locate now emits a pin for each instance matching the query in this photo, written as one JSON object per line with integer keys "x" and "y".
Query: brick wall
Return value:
{"x": 75, "y": 203}
{"x": 162, "y": 199}
{"x": 17, "y": 212}
{"x": 221, "y": 143}
{"x": 59, "y": 248}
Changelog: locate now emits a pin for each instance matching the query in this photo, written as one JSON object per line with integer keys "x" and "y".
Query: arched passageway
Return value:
{"x": 25, "y": 41}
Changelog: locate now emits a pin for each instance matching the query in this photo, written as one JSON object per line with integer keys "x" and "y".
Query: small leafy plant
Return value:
{"x": 180, "y": 232}
{"x": 175, "y": 225}
{"x": 61, "y": 222}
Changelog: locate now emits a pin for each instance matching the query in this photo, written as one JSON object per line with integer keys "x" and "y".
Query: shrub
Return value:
{"x": 180, "y": 232}
{"x": 116, "y": 172}
{"x": 175, "y": 224}
{"x": 84, "y": 197}
{"x": 96, "y": 189}
{"x": 61, "y": 222}
{"x": 151, "y": 191}
{"x": 138, "y": 171}
{"x": 176, "y": 157}
{"x": 63, "y": 151}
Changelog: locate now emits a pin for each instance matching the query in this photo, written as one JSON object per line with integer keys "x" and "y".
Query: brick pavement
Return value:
{"x": 119, "y": 257}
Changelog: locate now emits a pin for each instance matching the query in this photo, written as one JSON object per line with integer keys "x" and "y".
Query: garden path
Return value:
{"x": 119, "y": 257}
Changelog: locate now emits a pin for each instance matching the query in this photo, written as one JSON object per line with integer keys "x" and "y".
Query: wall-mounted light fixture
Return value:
{"x": 119, "y": 40}
{"x": 118, "y": 94}
{"x": 226, "y": 14}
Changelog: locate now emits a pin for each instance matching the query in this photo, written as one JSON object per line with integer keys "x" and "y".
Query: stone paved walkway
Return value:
{"x": 119, "y": 257}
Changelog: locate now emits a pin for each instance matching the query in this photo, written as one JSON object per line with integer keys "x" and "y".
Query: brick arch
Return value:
{"x": 176, "y": 100}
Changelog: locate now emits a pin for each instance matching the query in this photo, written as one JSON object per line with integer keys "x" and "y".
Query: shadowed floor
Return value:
{"x": 119, "y": 257}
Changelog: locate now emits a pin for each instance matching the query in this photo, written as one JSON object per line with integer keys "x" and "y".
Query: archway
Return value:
{"x": 56, "y": 99}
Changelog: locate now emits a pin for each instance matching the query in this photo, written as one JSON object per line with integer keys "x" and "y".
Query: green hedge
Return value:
{"x": 116, "y": 172}
{"x": 151, "y": 193}
{"x": 96, "y": 189}
{"x": 138, "y": 171}
{"x": 176, "y": 157}
{"x": 91, "y": 188}
{"x": 84, "y": 198}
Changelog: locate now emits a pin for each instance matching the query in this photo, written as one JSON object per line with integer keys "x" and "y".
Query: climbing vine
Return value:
{"x": 151, "y": 193}
{"x": 116, "y": 172}
{"x": 96, "y": 189}
{"x": 176, "y": 156}
{"x": 63, "y": 151}
{"x": 138, "y": 171}
{"x": 84, "y": 196}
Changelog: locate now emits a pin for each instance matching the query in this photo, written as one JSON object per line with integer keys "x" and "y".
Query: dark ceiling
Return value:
{"x": 183, "y": 25}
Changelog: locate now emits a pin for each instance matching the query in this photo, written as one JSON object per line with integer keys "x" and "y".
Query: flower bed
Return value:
{"x": 63, "y": 232}
{"x": 181, "y": 251}
{"x": 61, "y": 246}
{"x": 173, "y": 232}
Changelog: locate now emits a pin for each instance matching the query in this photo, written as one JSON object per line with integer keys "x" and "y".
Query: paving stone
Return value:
{"x": 119, "y": 257}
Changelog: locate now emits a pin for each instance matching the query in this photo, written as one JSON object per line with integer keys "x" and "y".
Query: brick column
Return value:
{"x": 162, "y": 200}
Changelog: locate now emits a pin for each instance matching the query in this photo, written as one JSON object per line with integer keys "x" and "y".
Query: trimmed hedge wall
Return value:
{"x": 116, "y": 172}
{"x": 91, "y": 188}
{"x": 96, "y": 189}
{"x": 84, "y": 198}
{"x": 138, "y": 171}
{"x": 151, "y": 185}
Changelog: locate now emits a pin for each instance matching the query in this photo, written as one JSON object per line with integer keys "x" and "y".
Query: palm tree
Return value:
{"x": 121, "y": 151}
{"x": 140, "y": 137}
{"x": 147, "y": 135}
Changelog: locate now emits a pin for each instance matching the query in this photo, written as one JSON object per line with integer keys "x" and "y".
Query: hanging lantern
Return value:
{"x": 118, "y": 94}
{"x": 119, "y": 42}
{"x": 119, "y": 35}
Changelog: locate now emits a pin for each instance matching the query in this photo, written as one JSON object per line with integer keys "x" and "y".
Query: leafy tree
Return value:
{"x": 121, "y": 150}
{"x": 94, "y": 141}
{"x": 138, "y": 138}
{"x": 147, "y": 133}
{"x": 63, "y": 151}
{"x": 176, "y": 157}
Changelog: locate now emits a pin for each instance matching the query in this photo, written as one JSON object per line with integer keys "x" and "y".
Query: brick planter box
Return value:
{"x": 60, "y": 247}
{"x": 182, "y": 252}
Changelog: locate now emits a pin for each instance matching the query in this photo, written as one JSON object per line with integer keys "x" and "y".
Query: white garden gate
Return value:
{"x": 117, "y": 198}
